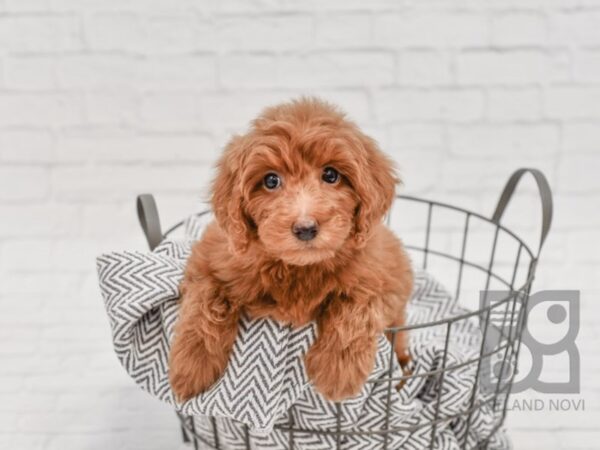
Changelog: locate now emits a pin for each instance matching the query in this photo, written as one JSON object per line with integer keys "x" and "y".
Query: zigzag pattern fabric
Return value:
{"x": 265, "y": 392}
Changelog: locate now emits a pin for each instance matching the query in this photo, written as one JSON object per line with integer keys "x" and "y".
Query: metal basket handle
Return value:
{"x": 545, "y": 196}
{"x": 148, "y": 217}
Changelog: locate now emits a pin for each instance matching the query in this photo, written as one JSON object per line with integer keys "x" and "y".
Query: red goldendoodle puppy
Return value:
{"x": 298, "y": 236}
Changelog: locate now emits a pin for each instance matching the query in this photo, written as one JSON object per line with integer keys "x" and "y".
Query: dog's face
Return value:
{"x": 304, "y": 213}
{"x": 303, "y": 183}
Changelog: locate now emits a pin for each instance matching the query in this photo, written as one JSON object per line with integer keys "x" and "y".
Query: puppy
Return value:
{"x": 298, "y": 237}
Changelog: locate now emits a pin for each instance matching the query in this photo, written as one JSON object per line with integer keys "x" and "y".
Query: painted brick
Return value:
{"x": 577, "y": 27}
{"x": 126, "y": 148}
{"x": 169, "y": 111}
{"x": 111, "y": 107}
{"x": 424, "y": 68}
{"x": 417, "y": 136}
{"x": 443, "y": 29}
{"x": 39, "y": 33}
{"x": 579, "y": 173}
{"x": 277, "y": 33}
{"x": 41, "y": 109}
{"x": 26, "y": 146}
{"x": 496, "y": 142}
{"x": 587, "y": 66}
{"x": 519, "y": 29}
{"x": 581, "y": 137}
{"x": 23, "y": 183}
{"x": 31, "y": 72}
{"x": 410, "y": 105}
{"x": 510, "y": 67}
{"x": 241, "y": 70}
{"x": 343, "y": 30}
{"x": 165, "y": 32}
{"x": 336, "y": 69}
{"x": 572, "y": 102}
{"x": 84, "y": 184}
{"x": 505, "y": 104}
{"x": 102, "y": 71}
{"x": 38, "y": 220}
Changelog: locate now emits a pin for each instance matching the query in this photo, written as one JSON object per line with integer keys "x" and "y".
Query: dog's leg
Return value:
{"x": 204, "y": 336}
{"x": 401, "y": 347}
{"x": 400, "y": 340}
{"x": 396, "y": 304}
{"x": 343, "y": 355}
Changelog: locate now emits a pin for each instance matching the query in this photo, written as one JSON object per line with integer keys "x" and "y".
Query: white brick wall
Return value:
{"x": 104, "y": 99}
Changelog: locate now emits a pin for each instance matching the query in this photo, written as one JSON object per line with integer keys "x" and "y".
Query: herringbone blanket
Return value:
{"x": 265, "y": 390}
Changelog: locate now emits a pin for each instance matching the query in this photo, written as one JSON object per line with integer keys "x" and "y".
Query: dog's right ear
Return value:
{"x": 227, "y": 197}
{"x": 375, "y": 184}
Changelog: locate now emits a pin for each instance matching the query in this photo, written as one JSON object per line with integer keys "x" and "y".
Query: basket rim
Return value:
{"x": 458, "y": 317}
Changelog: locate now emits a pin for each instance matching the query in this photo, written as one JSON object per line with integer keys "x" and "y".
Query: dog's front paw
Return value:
{"x": 192, "y": 370}
{"x": 339, "y": 374}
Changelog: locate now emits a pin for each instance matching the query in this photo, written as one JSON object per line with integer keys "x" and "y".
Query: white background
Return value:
{"x": 104, "y": 99}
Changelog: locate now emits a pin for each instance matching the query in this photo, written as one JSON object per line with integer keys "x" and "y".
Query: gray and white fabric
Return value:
{"x": 265, "y": 389}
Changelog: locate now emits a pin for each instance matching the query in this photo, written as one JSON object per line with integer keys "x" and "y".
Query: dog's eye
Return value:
{"x": 271, "y": 181}
{"x": 330, "y": 175}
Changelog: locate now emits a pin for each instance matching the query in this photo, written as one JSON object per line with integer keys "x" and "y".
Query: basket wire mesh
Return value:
{"x": 506, "y": 315}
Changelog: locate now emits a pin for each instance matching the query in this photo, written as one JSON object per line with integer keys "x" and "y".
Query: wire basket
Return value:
{"x": 490, "y": 270}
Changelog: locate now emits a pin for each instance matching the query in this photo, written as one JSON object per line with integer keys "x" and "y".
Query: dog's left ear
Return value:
{"x": 376, "y": 188}
{"x": 227, "y": 197}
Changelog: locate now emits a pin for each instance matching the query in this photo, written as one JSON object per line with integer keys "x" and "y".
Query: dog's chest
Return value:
{"x": 294, "y": 298}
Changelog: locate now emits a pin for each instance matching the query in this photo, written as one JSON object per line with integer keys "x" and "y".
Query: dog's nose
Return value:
{"x": 305, "y": 230}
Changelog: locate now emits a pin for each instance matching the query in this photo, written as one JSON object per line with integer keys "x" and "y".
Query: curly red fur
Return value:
{"x": 353, "y": 279}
